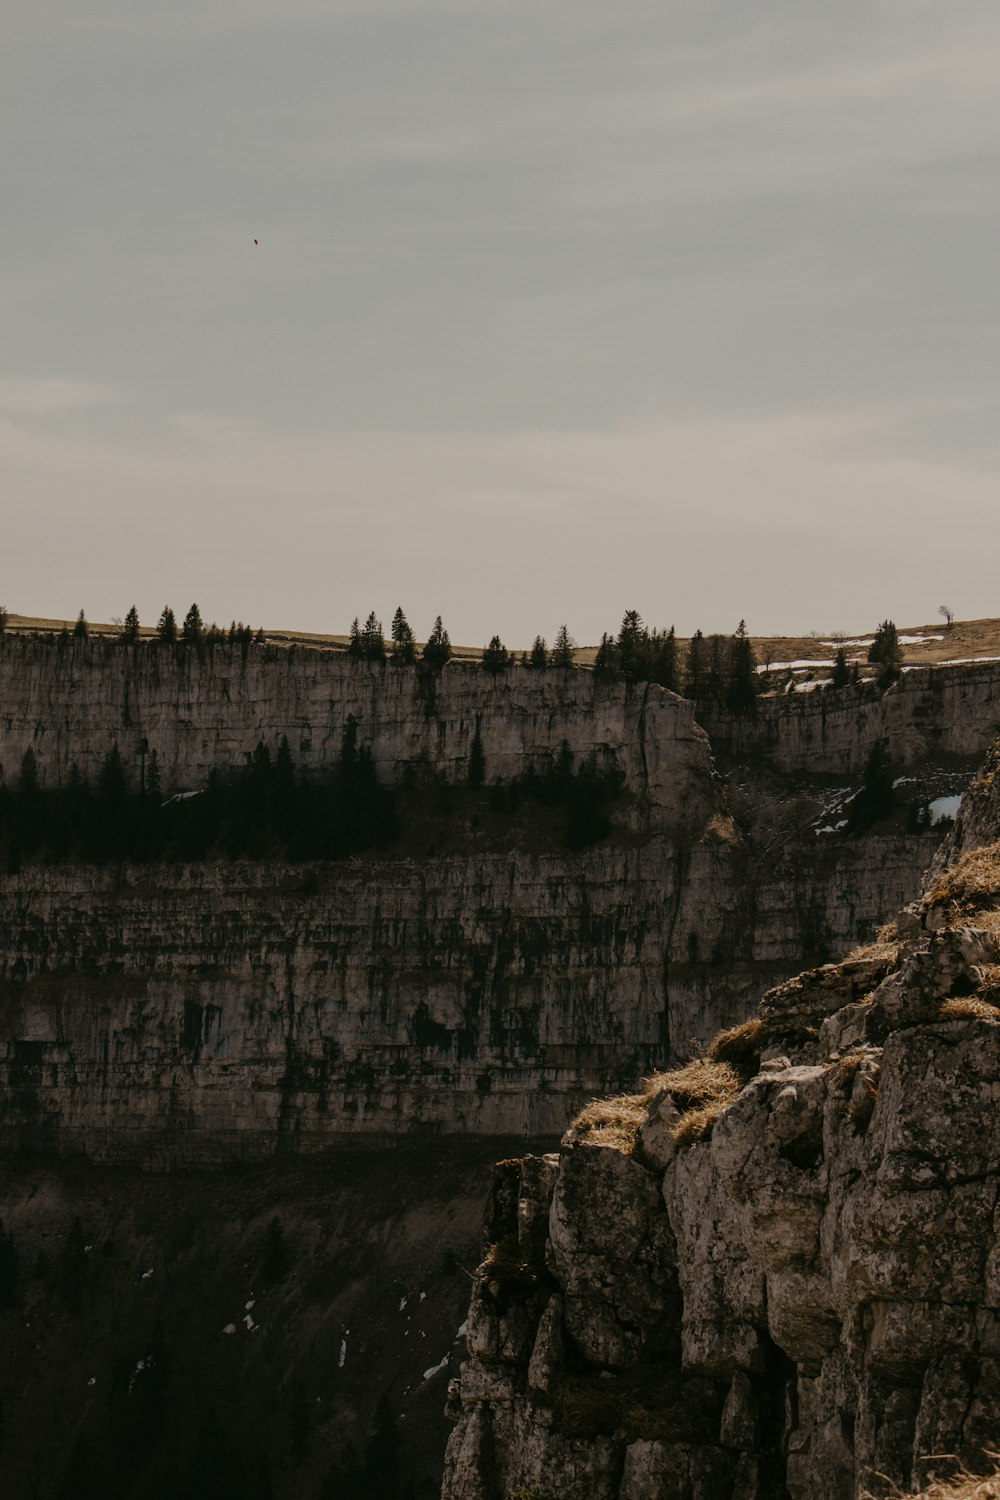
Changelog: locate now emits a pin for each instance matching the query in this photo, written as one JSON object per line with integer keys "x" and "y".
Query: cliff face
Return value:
{"x": 208, "y": 710}
{"x": 776, "y": 1273}
{"x": 205, "y": 1011}
{"x": 929, "y": 711}
{"x": 208, "y": 1011}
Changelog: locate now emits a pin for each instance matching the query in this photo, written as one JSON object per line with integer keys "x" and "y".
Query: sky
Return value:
{"x": 556, "y": 308}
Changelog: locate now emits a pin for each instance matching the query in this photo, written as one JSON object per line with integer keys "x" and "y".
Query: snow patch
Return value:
{"x": 229, "y": 1328}
{"x": 918, "y": 640}
{"x": 463, "y": 1330}
{"x": 966, "y": 661}
{"x": 343, "y": 1350}
{"x": 942, "y": 808}
{"x": 146, "y": 1274}
{"x": 436, "y": 1369}
{"x": 793, "y": 666}
{"x": 832, "y": 827}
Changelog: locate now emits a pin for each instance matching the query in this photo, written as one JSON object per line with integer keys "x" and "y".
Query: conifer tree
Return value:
{"x": 437, "y": 650}
{"x": 80, "y": 628}
{"x": 606, "y": 660}
{"x": 841, "y": 672}
{"x": 496, "y": 657}
{"x": 372, "y": 639}
{"x": 166, "y": 626}
{"x": 632, "y": 639}
{"x": 697, "y": 666}
{"x": 130, "y": 630}
{"x": 741, "y": 689}
{"x": 194, "y": 627}
{"x": 354, "y": 647}
{"x": 539, "y": 653}
{"x": 562, "y": 651}
{"x": 665, "y": 670}
{"x": 886, "y": 653}
{"x": 404, "y": 647}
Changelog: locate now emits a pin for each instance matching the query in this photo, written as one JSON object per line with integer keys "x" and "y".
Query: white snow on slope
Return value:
{"x": 943, "y": 807}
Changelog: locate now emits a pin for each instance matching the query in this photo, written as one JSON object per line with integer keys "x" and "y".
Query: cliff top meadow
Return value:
{"x": 923, "y": 645}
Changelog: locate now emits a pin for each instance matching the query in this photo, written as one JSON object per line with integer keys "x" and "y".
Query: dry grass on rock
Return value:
{"x": 971, "y": 884}
{"x": 964, "y": 1486}
{"x": 700, "y": 1091}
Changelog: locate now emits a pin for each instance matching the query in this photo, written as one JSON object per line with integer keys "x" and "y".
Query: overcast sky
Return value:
{"x": 558, "y": 308}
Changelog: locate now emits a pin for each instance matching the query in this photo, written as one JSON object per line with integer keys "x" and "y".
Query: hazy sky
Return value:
{"x": 559, "y": 308}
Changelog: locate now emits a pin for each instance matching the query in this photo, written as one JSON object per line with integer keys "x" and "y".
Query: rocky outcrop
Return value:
{"x": 794, "y": 1293}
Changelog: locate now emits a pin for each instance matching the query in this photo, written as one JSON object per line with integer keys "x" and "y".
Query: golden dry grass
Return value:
{"x": 700, "y": 1090}
{"x": 968, "y": 1007}
{"x": 964, "y": 1486}
{"x": 882, "y": 950}
{"x": 613, "y": 1122}
{"x": 971, "y": 883}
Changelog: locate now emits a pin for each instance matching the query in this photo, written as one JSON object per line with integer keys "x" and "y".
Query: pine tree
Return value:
{"x": 166, "y": 626}
{"x": 741, "y": 689}
{"x": 877, "y": 798}
{"x": 80, "y": 628}
{"x": 562, "y": 652}
{"x": 437, "y": 650}
{"x": 496, "y": 657}
{"x": 404, "y": 647}
{"x": 130, "y": 630}
{"x": 606, "y": 660}
{"x": 111, "y": 783}
{"x": 539, "y": 653}
{"x": 664, "y": 666}
{"x": 632, "y": 639}
{"x": 372, "y": 639}
{"x": 841, "y": 672}
{"x": 697, "y": 667}
{"x": 194, "y": 627}
{"x": 354, "y": 647}
{"x": 886, "y": 653}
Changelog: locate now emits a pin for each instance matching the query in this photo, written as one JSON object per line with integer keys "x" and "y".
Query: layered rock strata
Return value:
{"x": 795, "y": 1293}
{"x": 200, "y": 1012}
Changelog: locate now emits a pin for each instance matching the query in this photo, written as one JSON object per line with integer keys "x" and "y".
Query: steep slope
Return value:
{"x": 775, "y": 1273}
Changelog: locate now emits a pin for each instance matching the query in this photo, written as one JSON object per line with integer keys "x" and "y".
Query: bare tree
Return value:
{"x": 948, "y": 615}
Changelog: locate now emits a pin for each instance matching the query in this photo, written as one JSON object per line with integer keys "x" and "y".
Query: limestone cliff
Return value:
{"x": 776, "y": 1273}
{"x": 200, "y": 1012}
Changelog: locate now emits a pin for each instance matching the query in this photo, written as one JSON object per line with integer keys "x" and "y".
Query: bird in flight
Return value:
{"x": 255, "y": 242}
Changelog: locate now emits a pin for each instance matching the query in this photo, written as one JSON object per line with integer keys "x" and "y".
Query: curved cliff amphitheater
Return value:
{"x": 294, "y": 948}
